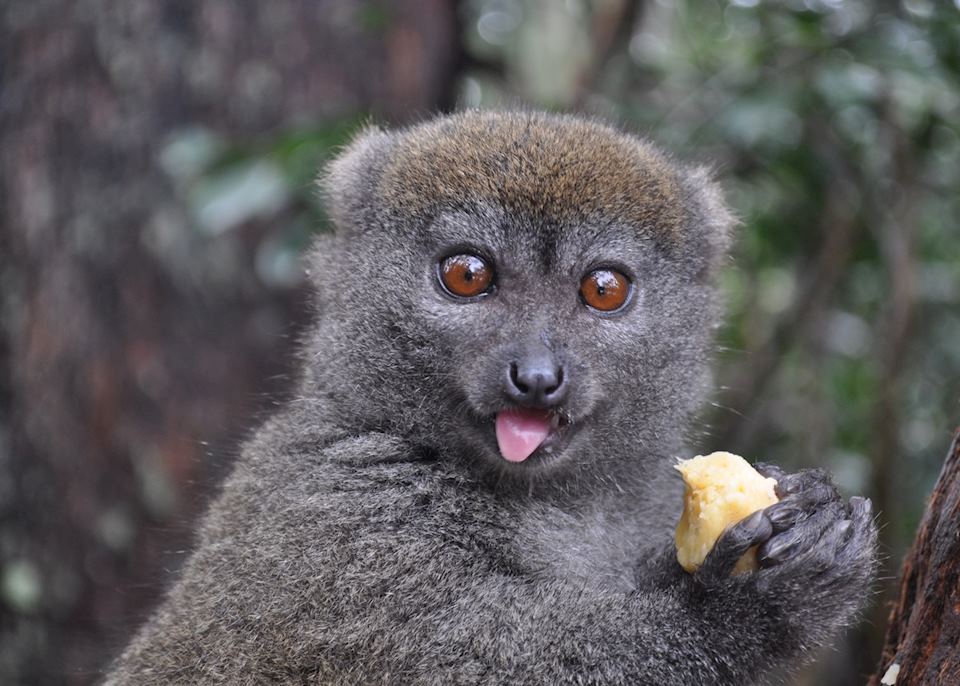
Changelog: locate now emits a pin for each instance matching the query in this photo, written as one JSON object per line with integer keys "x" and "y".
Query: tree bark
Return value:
{"x": 922, "y": 644}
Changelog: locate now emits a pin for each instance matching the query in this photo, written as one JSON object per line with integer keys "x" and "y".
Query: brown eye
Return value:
{"x": 466, "y": 276}
{"x": 605, "y": 290}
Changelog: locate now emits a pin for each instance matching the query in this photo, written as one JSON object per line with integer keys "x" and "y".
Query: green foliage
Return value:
{"x": 229, "y": 183}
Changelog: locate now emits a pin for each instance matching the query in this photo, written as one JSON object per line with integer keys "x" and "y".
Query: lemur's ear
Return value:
{"x": 714, "y": 221}
{"x": 351, "y": 177}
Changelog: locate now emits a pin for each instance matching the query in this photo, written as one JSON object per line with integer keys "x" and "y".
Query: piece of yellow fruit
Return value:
{"x": 720, "y": 490}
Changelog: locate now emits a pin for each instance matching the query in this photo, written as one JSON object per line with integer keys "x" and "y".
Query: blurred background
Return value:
{"x": 157, "y": 160}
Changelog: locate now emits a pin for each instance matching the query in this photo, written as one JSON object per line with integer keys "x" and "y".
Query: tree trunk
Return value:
{"x": 135, "y": 348}
{"x": 922, "y": 645}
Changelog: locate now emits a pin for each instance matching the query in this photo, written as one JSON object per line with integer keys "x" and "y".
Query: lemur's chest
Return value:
{"x": 596, "y": 548}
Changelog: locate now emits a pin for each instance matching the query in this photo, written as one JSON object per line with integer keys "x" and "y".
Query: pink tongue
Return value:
{"x": 520, "y": 432}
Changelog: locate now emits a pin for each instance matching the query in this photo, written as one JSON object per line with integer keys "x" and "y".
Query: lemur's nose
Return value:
{"x": 536, "y": 379}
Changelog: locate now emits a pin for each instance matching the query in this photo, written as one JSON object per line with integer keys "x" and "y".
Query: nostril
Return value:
{"x": 515, "y": 379}
{"x": 550, "y": 390}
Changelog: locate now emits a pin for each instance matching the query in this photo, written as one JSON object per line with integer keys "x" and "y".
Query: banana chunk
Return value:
{"x": 720, "y": 490}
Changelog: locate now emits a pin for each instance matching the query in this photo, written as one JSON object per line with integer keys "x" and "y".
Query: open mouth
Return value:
{"x": 522, "y": 431}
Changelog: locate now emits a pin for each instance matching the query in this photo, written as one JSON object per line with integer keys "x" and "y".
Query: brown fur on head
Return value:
{"x": 558, "y": 168}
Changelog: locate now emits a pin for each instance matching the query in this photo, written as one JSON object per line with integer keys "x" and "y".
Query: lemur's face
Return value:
{"x": 540, "y": 289}
{"x": 551, "y": 341}
{"x": 533, "y": 382}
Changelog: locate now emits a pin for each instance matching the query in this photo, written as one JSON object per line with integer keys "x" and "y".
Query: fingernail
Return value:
{"x": 788, "y": 485}
{"x": 776, "y": 554}
{"x": 754, "y": 520}
{"x": 784, "y": 515}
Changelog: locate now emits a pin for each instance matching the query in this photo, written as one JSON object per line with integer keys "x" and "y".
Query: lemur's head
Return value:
{"x": 524, "y": 291}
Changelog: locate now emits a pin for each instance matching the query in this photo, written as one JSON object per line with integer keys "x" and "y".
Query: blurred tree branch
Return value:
{"x": 840, "y": 228}
{"x": 611, "y": 26}
{"x": 894, "y": 226}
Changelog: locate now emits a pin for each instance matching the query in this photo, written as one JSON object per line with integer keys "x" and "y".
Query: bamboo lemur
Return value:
{"x": 475, "y": 484}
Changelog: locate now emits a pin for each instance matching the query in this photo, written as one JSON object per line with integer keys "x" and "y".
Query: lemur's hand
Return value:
{"x": 817, "y": 553}
{"x": 812, "y": 525}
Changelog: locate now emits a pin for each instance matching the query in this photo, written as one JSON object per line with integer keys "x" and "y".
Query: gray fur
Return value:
{"x": 371, "y": 534}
